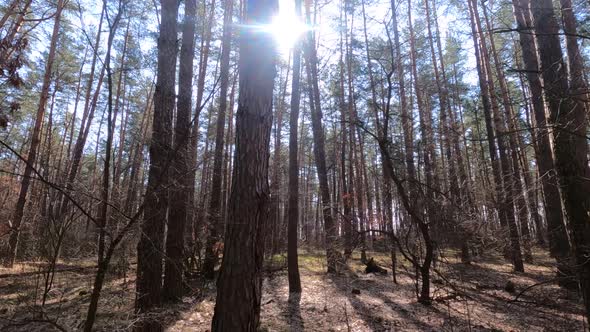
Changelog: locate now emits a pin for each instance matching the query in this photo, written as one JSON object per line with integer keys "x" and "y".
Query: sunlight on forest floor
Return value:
{"x": 474, "y": 301}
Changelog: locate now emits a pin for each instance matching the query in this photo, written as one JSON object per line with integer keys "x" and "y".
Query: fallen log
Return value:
{"x": 373, "y": 267}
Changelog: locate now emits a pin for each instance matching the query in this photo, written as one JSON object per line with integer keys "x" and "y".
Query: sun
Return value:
{"x": 287, "y": 28}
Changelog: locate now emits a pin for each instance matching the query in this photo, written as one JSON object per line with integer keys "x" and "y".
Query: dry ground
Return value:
{"x": 474, "y": 300}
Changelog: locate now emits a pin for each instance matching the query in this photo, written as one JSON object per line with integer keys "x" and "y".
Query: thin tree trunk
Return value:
{"x": 293, "y": 211}
{"x": 332, "y": 254}
{"x": 103, "y": 261}
{"x": 17, "y": 216}
{"x": 507, "y": 202}
{"x": 192, "y": 215}
{"x": 214, "y": 225}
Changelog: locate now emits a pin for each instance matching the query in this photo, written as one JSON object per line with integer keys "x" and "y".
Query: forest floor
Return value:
{"x": 466, "y": 298}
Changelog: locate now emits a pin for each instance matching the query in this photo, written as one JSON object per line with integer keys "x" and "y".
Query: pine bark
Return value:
{"x": 568, "y": 118}
{"x": 179, "y": 194}
{"x": 149, "y": 248}
{"x": 559, "y": 246}
{"x": 239, "y": 287}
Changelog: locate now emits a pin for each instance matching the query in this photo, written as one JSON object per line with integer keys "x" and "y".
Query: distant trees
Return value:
{"x": 215, "y": 222}
{"x": 319, "y": 150}
{"x": 395, "y": 143}
{"x": 17, "y": 218}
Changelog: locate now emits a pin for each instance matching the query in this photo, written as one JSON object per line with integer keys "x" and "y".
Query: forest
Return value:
{"x": 294, "y": 165}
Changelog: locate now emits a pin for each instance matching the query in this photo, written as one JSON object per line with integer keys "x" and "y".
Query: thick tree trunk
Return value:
{"x": 149, "y": 248}
{"x": 558, "y": 239}
{"x": 179, "y": 196}
{"x": 575, "y": 61}
{"x": 569, "y": 120}
{"x": 239, "y": 287}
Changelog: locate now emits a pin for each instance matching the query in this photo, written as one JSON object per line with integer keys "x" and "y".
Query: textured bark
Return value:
{"x": 293, "y": 205}
{"x": 180, "y": 192}
{"x": 558, "y": 239}
{"x": 575, "y": 61}
{"x": 569, "y": 120}
{"x": 239, "y": 287}
{"x": 149, "y": 248}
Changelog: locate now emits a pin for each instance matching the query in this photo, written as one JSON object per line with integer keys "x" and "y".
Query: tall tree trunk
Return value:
{"x": 17, "y": 217}
{"x": 215, "y": 226}
{"x": 503, "y": 180}
{"x": 568, "y": 118}
{"x": 446, "y": 145}
{"x": 275, "y": 228}
{"x": 517, "y": 194}
{"x": 192, "y": 213}
{"x": 179, "y": 196}
{"x": 149, "y": 248}
{"x": 429, "y": 168}
{"x": 106, "y": 179}
{"x": 575, "y": 61}
{"x": 293, "y": 205}
{"x": 90, "y": 103}
{"x": 239, "y": 287}
{"x": 559, "y": 246}
{"x": 104, "y": 256}
{"x": 344, "y": 121}
{"x": 310, "y": 54}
